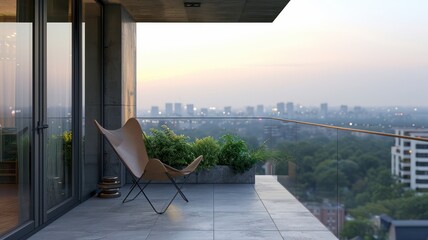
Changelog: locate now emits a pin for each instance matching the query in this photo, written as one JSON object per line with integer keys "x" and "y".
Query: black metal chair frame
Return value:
{"x": 136, "y": 182}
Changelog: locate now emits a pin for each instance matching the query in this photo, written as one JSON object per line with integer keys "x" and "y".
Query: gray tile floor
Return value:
{"x": 264, "y": 210}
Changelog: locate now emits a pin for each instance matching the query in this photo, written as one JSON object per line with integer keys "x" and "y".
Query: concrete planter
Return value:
{"x": 218, "y": 174}
{"x": 224, "y": 174}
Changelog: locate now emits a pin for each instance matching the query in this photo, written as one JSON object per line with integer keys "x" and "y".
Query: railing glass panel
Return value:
{"x": 354, "y": 182}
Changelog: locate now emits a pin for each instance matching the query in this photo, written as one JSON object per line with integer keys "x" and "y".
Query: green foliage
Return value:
{"x": 321, "y": 161}
{"x": 67, "y": 146}
{"x": 235, "y": 153}
{"x": 359, "y": 227}
{"x": 377, "y": 185}
{"x": 279, "y": 159}
{"x": 209, "y": 148}
{"x": 10, "y": 151}
{"x": 60, "y": 147}
{"x": 175, "y": 150}
{"x": 169, "y": 147}
{"x": 413, "y": 207}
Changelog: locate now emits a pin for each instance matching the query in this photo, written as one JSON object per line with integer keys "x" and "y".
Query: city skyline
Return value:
{"x": 366, "y": 53}
{"x": 166, "y": 106}
{"x": 288, "y": 109}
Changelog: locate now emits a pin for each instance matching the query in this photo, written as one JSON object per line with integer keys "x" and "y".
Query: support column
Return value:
{"x": 93, "y": 47}
{"x": 119, "y": 101}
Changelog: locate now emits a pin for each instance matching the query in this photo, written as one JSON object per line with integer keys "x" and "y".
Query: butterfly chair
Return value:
{"x": 128, "y": 143}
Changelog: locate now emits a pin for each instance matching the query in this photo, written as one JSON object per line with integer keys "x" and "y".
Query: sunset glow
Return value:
{"x": 315, "y": 51}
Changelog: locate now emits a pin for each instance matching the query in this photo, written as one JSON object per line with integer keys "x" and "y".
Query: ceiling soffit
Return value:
{"x": 208, "y": 10}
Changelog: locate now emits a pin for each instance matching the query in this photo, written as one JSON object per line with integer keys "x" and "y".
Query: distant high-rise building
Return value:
{"x": 290, "y": 109}
{"x": 249, "y": 111}
{"x": 358, "y": 109}
{"x": 280, "y": 108}
{"x": 204, "y": 112}
{"x": 409, "y": 159}
{"x": 190, "y": 109}
{"x": 324, "y": 110}
{"x": 168, "y": 109}
{"x": 177, "y": 109}
{"x": 227, "y": 110}
{"x": 358, "y": 112}
{"x": 260, "y": 110}
{"x": 154, "y": 111}
{"x": 343, "y": 109}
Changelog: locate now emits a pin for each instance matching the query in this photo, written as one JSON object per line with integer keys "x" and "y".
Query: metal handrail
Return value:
{"x": 289, "y": 121}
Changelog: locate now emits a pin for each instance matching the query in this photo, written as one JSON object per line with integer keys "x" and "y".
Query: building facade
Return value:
{"x": 64, "y": 64}
{"x": 280, "y": 109}
{"x": 331, "y": 215}
{"x": 409, "y": 159}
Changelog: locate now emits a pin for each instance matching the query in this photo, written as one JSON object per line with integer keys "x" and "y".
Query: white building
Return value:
{"x": 409, "y": 159}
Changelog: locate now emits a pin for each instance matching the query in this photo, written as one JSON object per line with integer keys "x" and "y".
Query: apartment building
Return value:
{"x": 409, "y": 159}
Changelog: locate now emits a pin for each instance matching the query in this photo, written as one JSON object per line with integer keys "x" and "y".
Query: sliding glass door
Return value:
{"x": 16, "y": 111}
{"x": 37, "y": 170}
{"x": 58, "y": 164}
{"x": 42, "y": 104}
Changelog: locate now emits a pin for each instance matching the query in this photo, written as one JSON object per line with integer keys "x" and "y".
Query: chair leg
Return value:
{"x": 136, "y": 182}
{"x": 172, "y": 199}
{"x": 179, "y": 188}
{"x": 150, "y": 202}
{"x": 132, "y": 188}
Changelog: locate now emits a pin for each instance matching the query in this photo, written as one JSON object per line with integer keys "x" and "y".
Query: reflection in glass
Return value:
{"x": 15, "y": 118}
{"x": 58, "y": 161}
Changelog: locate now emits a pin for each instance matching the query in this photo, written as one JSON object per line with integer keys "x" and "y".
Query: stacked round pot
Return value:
{"x": 109, "y": 187}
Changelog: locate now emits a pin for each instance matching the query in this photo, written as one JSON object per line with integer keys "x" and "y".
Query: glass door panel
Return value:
{"x": 58, "y": 161}
{"x": 16, "y": 84}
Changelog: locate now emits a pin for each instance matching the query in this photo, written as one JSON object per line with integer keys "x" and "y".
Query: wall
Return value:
{"x": 119, "y": 77}
{"x": 92, "y": 76}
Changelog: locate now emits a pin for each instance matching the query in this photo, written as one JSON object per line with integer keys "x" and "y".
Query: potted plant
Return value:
{"x": 226, "y": 161}
{"x": 229, "y": 160}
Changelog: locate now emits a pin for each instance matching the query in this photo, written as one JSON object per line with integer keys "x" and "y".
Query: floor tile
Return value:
{"x": 238, "y": 205}
{"x": 275, "y": 195}
{"x": 80, "y": 235}
{"x": 308, "y": 235}
{"x": 283, "y": 205}
{"x": 66, "y": 235}
{"x": 249, "y": 188}
{"x": 182, "y": 220}
{"x": 247, "y": 235}
{"x": 194, "y": 205}
{"x": 243, "y": 221}
{"x": 181, "y": 235}
{"x": 296, "y": 221}
{"x": 106, "y": 221}
{"x": 235, "y": 195}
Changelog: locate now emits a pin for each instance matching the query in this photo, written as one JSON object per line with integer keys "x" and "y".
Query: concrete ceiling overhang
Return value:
{"x": 207, "y": 11}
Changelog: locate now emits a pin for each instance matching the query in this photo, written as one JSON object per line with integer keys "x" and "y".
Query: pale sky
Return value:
{"x": 366, "y": 53}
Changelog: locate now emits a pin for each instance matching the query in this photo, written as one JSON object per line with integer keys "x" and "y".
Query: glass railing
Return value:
{"x": 355, "y": 181}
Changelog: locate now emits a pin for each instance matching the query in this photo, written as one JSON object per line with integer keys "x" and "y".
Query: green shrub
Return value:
{"x": 67, "y": 137}
{"x": 209, "y": 148}
{"x": 60, "y": 147}
{"x": 169, "y": 147}
{"x": 175, "y": 150}
{"x": 234, "y": 152}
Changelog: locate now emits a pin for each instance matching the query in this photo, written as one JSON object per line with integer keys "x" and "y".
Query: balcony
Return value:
{"x": 264, "y": 210}
{"x": 327, "y": 182}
